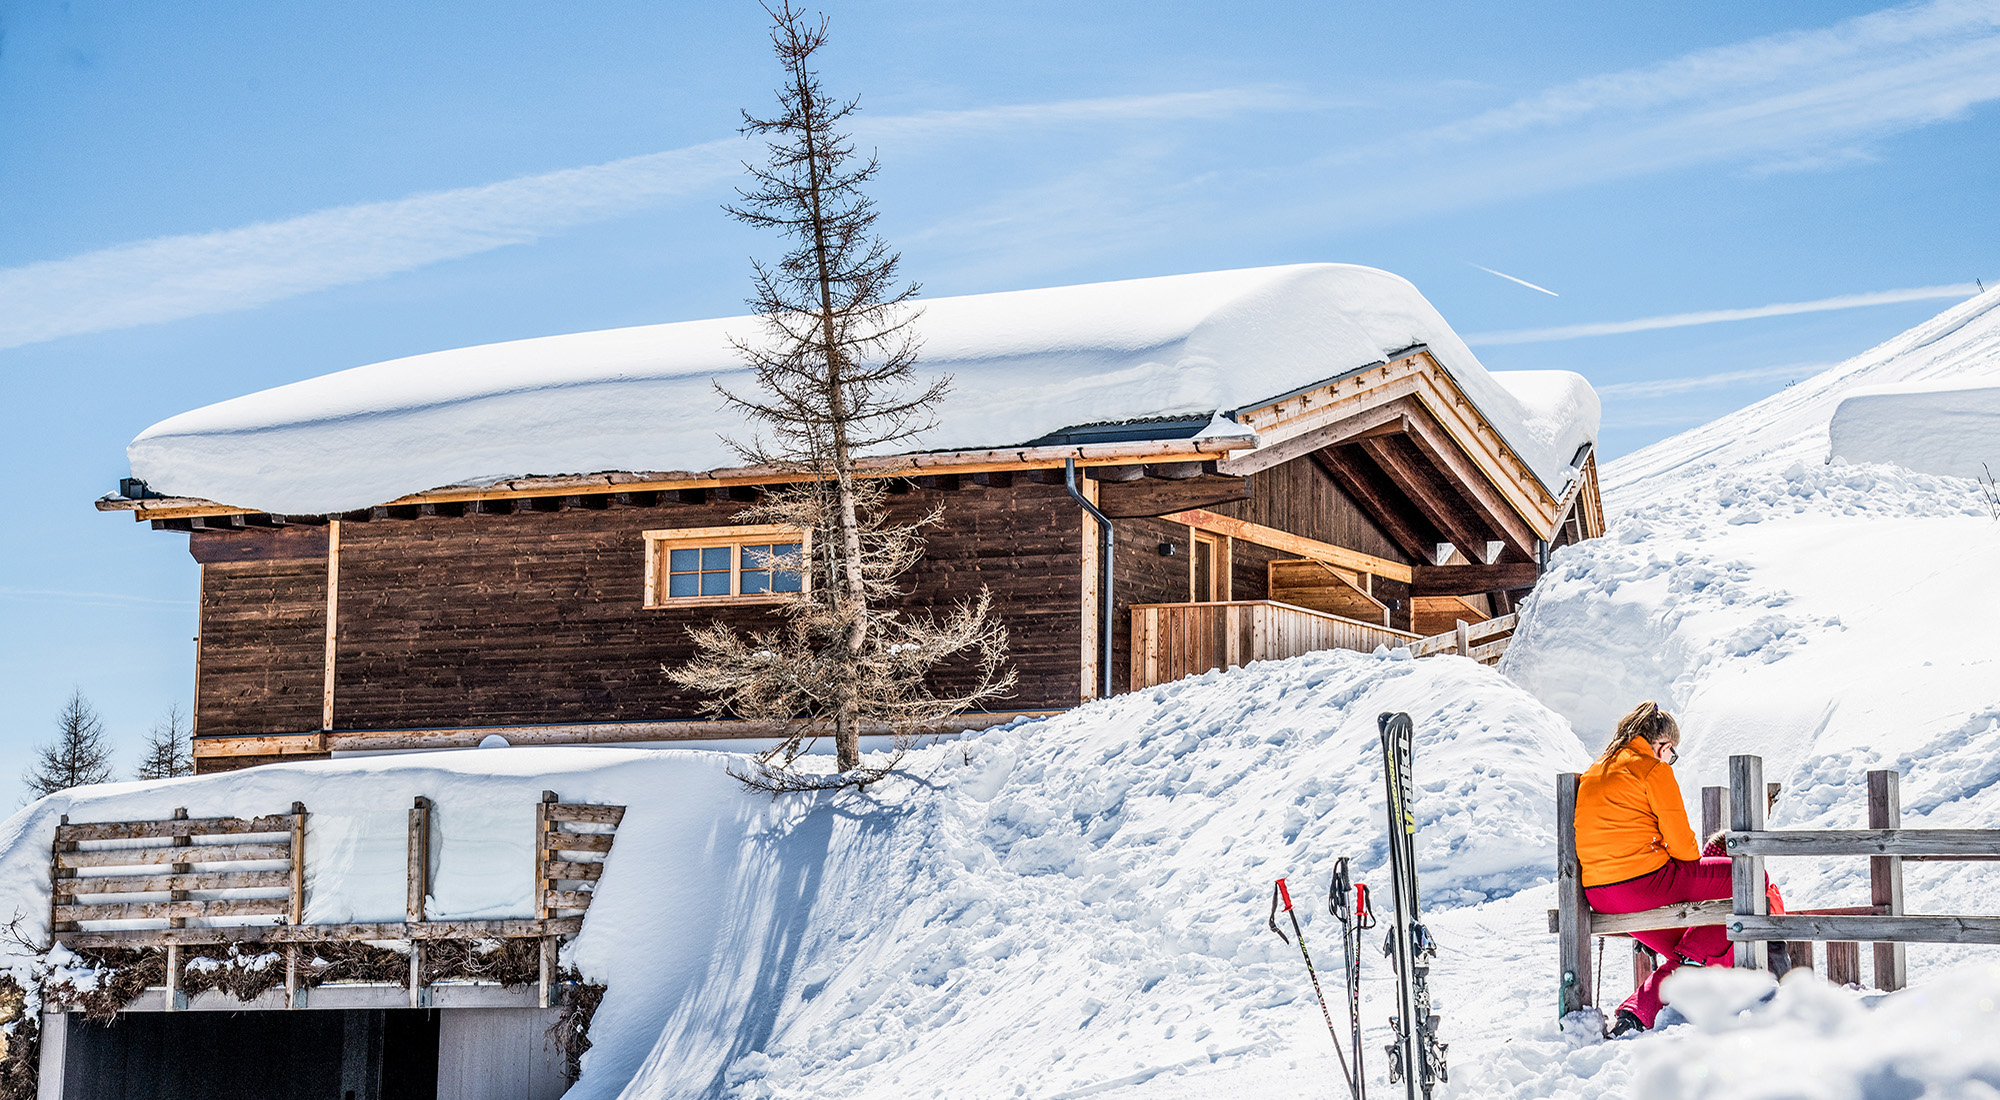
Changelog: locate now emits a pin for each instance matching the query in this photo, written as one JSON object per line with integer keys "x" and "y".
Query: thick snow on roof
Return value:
{"x": 643, "y": 400}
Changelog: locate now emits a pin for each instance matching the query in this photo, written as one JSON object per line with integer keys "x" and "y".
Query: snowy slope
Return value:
{"x": 1063, "y": 907}
{"x": 1962, "y": 343}
{"x": 1023, "y": 364}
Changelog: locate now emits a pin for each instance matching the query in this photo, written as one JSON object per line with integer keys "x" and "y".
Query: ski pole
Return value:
{"x": 1352, "y": 925}
{"x": 1286, "y": 895}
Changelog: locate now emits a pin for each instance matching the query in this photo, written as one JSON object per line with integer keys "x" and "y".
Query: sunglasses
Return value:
{"x": 1668, "y": 754}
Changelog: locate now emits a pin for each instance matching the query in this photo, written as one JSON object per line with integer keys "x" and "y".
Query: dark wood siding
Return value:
{"x": 1250, "y": 579}
{"x": 453, "y": 622}
{"x": 1140, "y": 574}
{"x": 1300, "y": 497}
{"x": 263, "y": 647}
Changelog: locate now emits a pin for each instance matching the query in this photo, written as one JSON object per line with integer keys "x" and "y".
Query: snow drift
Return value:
{"x": 1023, "y": 364}
{"x": 1948, "y": 428}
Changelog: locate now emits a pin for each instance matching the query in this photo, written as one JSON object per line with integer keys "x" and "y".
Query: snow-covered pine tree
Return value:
{"x": 835, "y": 375}
{"x": 167, "y": 753}
{"x": 79, "y": 756}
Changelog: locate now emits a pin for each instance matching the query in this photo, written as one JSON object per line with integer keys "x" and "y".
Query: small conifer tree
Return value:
{"x": 167, "y": 751}
{"x": 79, "y": 755}
{"x": 835, "y": 371}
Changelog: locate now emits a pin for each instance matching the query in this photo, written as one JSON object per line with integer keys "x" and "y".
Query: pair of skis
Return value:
{"x": 1416, "y": 1057}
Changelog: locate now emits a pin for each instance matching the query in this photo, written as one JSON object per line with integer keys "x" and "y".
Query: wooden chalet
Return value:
{"x": 1153, "y": 478}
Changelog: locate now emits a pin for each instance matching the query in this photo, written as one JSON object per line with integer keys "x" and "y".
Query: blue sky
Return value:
{"x": 203, "y": 199}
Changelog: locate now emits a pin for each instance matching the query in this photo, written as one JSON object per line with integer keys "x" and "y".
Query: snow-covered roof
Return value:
{"x": 1024, "y": 364}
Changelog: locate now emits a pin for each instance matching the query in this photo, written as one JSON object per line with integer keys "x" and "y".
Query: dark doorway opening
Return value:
{"x": 371, "y": 1054}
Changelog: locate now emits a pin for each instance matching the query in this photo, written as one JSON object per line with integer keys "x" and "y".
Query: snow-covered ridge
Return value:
{"x": 1023, "y": 363}
{"x": 1962, "y": 344}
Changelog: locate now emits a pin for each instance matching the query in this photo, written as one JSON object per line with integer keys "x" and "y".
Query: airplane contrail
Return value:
{"x": 1512, "y": 279}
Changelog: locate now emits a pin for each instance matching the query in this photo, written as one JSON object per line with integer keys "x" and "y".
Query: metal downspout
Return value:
{"x": 1104, "y": 611}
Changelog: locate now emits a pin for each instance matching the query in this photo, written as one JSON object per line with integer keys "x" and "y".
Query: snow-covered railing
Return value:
{"x": 1483, "y": 641}
{"x": 1745, "y": 915}
{"x": 114, "y": 873}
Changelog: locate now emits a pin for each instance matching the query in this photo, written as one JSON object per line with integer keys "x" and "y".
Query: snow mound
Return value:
{"x": 1023, "y": 364}
{"x": 1065, "y": 907}
{"x": 1935, "y": 427}
{"x": 1960, "y": 344}
{"x": 1813, "y": 1040}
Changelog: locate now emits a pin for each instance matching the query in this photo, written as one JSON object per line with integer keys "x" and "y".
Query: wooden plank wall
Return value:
{"x": 263, "y": 626}
{"x": 459, "y": 621}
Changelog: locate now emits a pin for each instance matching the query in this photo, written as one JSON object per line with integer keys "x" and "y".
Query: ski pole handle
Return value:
{"x": 1286, "y": 894}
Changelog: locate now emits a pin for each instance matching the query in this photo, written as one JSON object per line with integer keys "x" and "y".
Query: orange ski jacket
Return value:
{"x": 1630, "y": 819}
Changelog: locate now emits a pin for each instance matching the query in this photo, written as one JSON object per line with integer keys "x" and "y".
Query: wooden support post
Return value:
{"x": 419, "y": 884}
{"x": 1464, "y": 639}
{"x": 57, "y": 895}
{"x": 1885, "y": 876}
{"x": 292, "y": 977}
{"x": 543, "y": 887}
{"x": 419, "y": 888}
{"x": 1771, "y": 791}
{"x": 1843, "y": 963}
{"x": 1642, "y": 964}
{"x": 298, "y": 909}
{"x": 548, "y": 972}
{"x": 1746, "y": 814}
{"x": 1800, "y": 952}
{"x": 1573, "y": 913}
{"x": 174, "y": 951}
{"x": 1714, "y": 811}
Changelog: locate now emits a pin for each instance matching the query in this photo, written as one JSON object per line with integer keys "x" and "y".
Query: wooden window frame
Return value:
{"x": 659, "y": 543}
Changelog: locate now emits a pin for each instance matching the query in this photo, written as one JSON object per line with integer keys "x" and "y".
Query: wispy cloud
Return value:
{"x": 94, "y": 599}
{"x": 170, "y": 278}
{"x": 1713, "y": 316}
{"x": 1513, "y": 279}
{"x": 1667, "y": 387}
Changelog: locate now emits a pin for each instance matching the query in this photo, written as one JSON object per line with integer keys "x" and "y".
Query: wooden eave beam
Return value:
{"x": 1429, "y": 489}
{"x": 1415, "y": 375}
{"x": 1013, "y": 459}
{"x": 1470, "y": 580}
{"x": 1438, "y": 448}
{"x": 1304, "y": 547}
{"x": 1360, "y": 482}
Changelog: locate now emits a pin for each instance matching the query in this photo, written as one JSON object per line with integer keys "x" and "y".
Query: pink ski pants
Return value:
{"x": 1680, "y": 880}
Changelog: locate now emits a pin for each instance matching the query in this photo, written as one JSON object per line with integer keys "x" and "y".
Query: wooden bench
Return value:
{"x": 1744, "y": 916}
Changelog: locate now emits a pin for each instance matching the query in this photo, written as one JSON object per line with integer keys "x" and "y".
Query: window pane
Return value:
{"x": 684, "y": 561}
{"x": 683, "y": 584}
{"x": 714, "y": 584}
{"x": 784, "y": 582}
{"x": 756, "y": 580}
{"x": 757, "y": 557}
{"x": 715, "y": 557}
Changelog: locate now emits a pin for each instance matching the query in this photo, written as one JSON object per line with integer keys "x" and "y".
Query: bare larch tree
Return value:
{"x": 79, "y": 756}
{"x": 167, "y": 751}
{"x": 834, "y": 369}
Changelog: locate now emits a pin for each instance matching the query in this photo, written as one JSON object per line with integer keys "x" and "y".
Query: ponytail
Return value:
{"x": 1646, "y": 721}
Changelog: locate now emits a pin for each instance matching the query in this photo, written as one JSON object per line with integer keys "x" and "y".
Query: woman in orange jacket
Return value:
{"x": 1638, "y": 852}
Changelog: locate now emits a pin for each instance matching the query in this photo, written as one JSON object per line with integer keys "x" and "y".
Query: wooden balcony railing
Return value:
{"x": 1172, "y": 640}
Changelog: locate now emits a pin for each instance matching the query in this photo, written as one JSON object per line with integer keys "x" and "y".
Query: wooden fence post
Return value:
{"x": 547, "y": 946}
{"x": 1746, "y": 815}
{"x": 419, "y": 886}
{"x": 1464, "y": 639}
{"x": 1714, "y": 811}
{"x": 1642, "y": 964}
{"x": 297, "y": 913}
{"x": 1885, "y": 876}
{"x": 1573, "y": 913}
{"x": 180, "y": 840}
